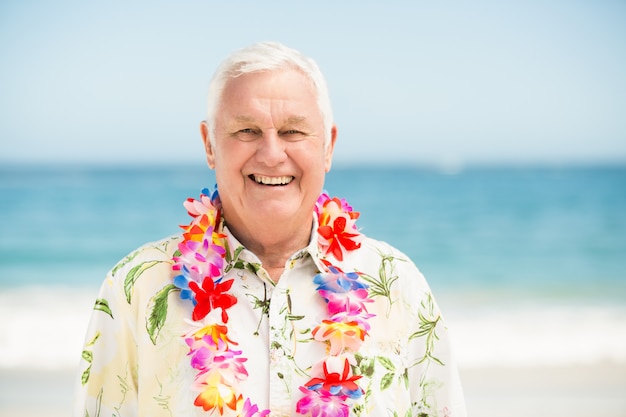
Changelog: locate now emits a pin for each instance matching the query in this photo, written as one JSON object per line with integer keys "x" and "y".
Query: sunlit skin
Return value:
{"x": 269, "y": 129}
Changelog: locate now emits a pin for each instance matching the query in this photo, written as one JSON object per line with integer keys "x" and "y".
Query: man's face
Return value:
{"x": 268, "y": 154}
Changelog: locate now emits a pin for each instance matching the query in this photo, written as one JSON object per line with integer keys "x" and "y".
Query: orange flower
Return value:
{"x": 216, "y": 395}
{"x": 216, "y": 332}
{"x": 340, "y": 336}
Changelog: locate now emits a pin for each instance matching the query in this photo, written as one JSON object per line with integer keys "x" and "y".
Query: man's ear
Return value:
{"x": 328, "y": 152}
{"x": 208, "y": 147}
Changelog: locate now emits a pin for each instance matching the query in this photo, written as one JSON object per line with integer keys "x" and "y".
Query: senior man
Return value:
{"x": 271, "y": 301}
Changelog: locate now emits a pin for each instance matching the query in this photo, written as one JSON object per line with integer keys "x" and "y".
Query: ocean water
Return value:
{"x": 527, "y": 263}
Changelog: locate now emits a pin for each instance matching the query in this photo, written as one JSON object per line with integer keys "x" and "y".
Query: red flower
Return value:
{"x": 212, "y": 296}
{"x": 335, "y": 383}
{"x": 339, "y": 238}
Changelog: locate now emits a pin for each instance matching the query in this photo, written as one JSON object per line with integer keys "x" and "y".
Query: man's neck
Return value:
{"x": 275, "y": 246}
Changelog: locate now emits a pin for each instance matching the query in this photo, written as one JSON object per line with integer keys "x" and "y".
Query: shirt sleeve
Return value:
{"x": 108, "y": 370}
{"x": 435, "y": 384}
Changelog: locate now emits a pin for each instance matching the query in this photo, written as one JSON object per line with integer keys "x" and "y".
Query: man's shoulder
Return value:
{"x": 148, "y": 255}
{"x": 374, "y": 254}
{"x": 371, "y": 246}
{"x": 369, "y": 241}
{"x": 386, "y": 269}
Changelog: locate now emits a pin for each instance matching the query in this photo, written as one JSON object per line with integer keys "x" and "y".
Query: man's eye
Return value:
{"x": 247, "y": 134}
{"x": 292, "y": 132}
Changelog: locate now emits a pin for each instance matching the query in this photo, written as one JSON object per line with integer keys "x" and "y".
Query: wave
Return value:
{"x": 543, "y": 333}
{"x": 43, "y": 327}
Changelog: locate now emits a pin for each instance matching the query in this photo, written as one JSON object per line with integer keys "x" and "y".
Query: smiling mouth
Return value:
{"x": 274, "y": 181}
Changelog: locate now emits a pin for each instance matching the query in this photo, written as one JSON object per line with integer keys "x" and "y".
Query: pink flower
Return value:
{"x": 322, "y": 404}
{"x": 343, "y": 205}
{"x": 205, "y": 258}
{"x": 351, "y": 302}
{"x": 203, "y": 206}
{"x": 247, "y": 409}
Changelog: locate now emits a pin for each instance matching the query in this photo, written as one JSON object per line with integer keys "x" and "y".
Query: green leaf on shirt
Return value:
{"x": 85, "y": 376}
{"x": 87, "y": 356}
{"x": 386, "y": 381}
{"x": 103, "y": 305}
{"x": 429, "y": 319}
{"x": 365, "y": 365}
{"x": 134, "y": 274}
{"x": 124, "y": 261}
{"x": 158, "y": 311}
{"x": 386, "y": 363}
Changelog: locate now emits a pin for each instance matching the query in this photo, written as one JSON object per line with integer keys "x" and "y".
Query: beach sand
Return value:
{"x": 34, "y": 393}
{"x": 572, "y": 391}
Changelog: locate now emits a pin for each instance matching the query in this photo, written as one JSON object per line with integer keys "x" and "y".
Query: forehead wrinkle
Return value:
{"x": 292, "y": 120}
{"x": 239, "y": 120}
{"x": 244, "y": 119}
{"x": 296, "y": 120}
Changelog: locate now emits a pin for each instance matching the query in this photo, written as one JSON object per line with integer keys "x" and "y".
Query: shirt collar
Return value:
{"x": 247, "y": 256}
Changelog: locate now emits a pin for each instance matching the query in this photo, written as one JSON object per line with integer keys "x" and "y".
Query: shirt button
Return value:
{"x": 276, "y": 355}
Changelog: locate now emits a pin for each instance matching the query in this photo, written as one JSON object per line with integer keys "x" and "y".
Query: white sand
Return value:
{"x": 36, "y": 393}
{"x": 573, "y": 391}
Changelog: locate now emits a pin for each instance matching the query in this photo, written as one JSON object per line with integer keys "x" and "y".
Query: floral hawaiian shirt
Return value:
{"x": 135, "y": 362}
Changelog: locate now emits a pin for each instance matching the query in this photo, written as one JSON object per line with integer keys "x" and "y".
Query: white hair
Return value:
{"x": 268, "y": 56}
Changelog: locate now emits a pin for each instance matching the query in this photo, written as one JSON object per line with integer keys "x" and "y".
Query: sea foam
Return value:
{"x": 44, "y": 327}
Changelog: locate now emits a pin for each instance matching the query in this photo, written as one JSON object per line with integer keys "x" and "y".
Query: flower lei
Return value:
{"x": 219, "y": 365}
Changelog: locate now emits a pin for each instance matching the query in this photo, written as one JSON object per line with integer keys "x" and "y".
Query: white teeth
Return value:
{"x": 261, "y": 179}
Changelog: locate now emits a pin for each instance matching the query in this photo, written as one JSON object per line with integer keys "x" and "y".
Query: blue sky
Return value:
{"x": 424, "y": 82}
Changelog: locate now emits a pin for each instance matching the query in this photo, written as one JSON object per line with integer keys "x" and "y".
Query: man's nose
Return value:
{"x": 272, "y": 149}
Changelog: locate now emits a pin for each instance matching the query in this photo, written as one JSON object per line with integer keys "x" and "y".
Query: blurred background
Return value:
{"x": 487, "y": 140}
